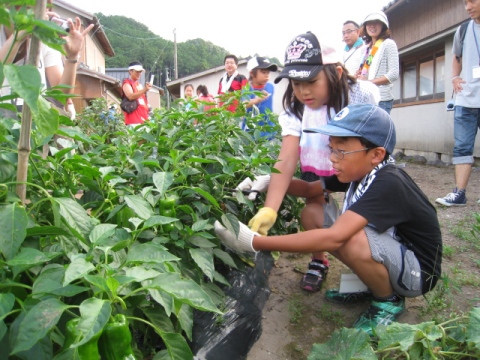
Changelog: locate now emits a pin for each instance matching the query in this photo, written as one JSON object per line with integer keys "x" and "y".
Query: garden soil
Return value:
{"x": 293, "y": 320}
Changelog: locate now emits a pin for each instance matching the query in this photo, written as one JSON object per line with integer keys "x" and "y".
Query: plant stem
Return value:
{"x": 463, "y": 355}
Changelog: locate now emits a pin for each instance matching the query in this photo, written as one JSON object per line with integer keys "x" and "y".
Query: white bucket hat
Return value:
{"x": 377, "y": 15}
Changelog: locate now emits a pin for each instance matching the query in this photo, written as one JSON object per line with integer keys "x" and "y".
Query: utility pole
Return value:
{"x": 175, "y": 60}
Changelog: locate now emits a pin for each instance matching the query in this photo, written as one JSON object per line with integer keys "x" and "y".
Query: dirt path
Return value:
{"x": 293, "y": 320}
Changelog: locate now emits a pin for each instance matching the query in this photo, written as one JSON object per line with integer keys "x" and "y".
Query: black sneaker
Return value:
{"x": 455, "y": 198}
{"x": 334, "y": 296}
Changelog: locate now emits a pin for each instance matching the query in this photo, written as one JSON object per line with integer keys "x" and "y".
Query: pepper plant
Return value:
{"x": 119, "y": 225}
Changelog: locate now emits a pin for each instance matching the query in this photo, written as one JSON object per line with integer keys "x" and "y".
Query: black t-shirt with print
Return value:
{"x": 393, "y": 199}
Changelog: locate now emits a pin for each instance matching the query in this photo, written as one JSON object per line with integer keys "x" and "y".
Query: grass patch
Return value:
{"x": 326, "y": 313}
{"x": 448, "y": 251}
{"x": 439, "y": 298}
{"x": 295, "y": 309}
{"x": 468, "y": 230}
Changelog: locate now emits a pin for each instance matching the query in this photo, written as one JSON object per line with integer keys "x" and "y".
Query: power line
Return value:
{"x": 132, "y": 37}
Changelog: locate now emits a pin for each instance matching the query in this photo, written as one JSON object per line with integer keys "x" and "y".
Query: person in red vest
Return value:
{"x": 231, "y": 80}
{"x": 133, "y": 90}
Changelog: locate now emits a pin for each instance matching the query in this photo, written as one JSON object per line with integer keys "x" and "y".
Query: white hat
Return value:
{"x": 377, "y": 15}
{"x": 135, "y": 65}
{"x": 258, "y": 62}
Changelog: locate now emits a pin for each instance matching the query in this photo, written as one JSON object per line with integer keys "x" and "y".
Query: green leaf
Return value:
{"x": 201, "y": 160}
{"x": 206, "y": 195}
{"x": 98, "y": 281}
{"x": 160, "y": 297}
{"x": 158, "y": 318}
{"x": 185, "y": 317}
{"x": 139, "y": 205}
{"x": 13, "y": 222}
{"x": 204, "y": 259}
{"x": 46, "y": 230}
{"x": 77, "y": 269}
{"x": 162, "y": 181}
{"x": 200, "y": 241}
{"x": 231, "y": 223}
{"x": 7, "y": 301}
{"x": 26, "y": 82}
{"x": 139, "y": 273}
{"x": 405, "y": 335}
{"x": 46, "y": 118}
{"x": 48, "y": 32}
{"x": 473, "y": 335}
{"x": 101, "y": 233}
{"x": 149, "y": 253}
{"x": 31, "y": 257}
{"x": 75, "y": 217}
{"x": 156, "y": 220}
{"x": 225, "y": 257}
{"x": 345, "y": 344}
{"x": 177, "y": 346}
{"x": 49, "y": 282}
{"x": 185, "y": 290}
{"x": 37, "y": 323}
{"x": 220, "y": 278}
{"x": 95, "y": 314}
{"x": 201, "y": 225}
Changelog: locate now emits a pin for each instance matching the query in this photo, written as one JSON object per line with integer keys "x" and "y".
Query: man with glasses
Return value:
{"x": 352, "y": 54}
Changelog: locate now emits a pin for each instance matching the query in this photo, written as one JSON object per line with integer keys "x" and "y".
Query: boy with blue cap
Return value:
{"x": 388, "y": 233}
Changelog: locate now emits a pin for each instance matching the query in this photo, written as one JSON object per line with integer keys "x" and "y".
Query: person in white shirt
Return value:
{"x": 352, "y": 53}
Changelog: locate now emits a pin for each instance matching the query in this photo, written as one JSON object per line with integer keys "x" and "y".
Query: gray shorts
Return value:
{"x": 402, "y": 264}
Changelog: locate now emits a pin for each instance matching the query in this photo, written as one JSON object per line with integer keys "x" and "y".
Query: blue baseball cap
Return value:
{"x": 366, "y": 121}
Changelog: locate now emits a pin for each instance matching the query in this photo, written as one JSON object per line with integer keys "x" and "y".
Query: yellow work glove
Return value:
{"x": 263, "y": 221}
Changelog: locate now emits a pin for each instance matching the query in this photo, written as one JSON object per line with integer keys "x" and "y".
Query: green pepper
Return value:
{"x": 116, "y": 340}
{"x": 87, "y": 351}
{"x": 167, "y": 208}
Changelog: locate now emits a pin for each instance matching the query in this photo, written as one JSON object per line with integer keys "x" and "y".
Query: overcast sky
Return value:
{"x": 241, "y": 27}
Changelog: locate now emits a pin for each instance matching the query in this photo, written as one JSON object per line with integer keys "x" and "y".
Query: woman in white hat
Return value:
{"x": 133, "y": 90}
{"x": 380, "y": 65}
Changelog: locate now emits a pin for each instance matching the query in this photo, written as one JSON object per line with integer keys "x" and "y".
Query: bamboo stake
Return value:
{"x": 25, "y": 131}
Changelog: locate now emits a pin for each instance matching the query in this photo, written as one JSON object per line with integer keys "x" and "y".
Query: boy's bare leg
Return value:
{"x": 312, "y": 218}
{"x": 356, "y": 254}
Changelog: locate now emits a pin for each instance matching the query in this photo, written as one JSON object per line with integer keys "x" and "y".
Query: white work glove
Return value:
{"x": 71, "y": 111}
{"x": 242, "y": 244}
{"x": 259, "y": 185}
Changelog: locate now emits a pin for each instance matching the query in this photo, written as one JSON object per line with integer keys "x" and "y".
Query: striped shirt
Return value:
{"x": 385, "y": 63}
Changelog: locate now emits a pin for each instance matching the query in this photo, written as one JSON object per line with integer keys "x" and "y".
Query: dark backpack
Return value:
{"x": 463, "y": 31}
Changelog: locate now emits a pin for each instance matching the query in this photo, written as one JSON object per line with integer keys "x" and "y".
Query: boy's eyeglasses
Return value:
{"x": 348, "y": 32}
{"x": 340, "y": 154}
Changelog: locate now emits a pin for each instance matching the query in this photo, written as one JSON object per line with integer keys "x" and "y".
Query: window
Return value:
{"x": 422, "y": 77}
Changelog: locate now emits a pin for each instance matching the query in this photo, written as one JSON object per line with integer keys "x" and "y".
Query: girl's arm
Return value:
{"x": 10, "y": 46}
{"x": 286, "y": 165}
{"x": 302, "y": 188}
